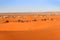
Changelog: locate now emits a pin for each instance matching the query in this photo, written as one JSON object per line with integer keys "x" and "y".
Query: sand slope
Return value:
{"x": 38, "y": 27}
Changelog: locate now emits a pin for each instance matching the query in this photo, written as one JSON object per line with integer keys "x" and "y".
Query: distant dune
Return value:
{"x": 30, "y": 26}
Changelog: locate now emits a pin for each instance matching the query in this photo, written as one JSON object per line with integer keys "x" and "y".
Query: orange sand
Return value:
{"x": 40, "y": 30}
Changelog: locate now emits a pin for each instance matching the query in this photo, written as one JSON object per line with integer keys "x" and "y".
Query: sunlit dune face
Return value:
{"x": 30, "y": 27}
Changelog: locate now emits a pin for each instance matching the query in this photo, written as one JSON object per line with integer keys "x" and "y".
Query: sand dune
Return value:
{"x": 30, "y": 27}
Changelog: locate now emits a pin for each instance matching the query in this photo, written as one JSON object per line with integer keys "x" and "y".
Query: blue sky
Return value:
{"x": 29, "y": 5}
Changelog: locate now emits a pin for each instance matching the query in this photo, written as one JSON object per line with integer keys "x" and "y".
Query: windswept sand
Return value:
{"x": 45, "y": 28}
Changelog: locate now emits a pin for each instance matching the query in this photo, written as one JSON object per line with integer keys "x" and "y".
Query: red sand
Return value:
{"x": 40, "y": 30}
